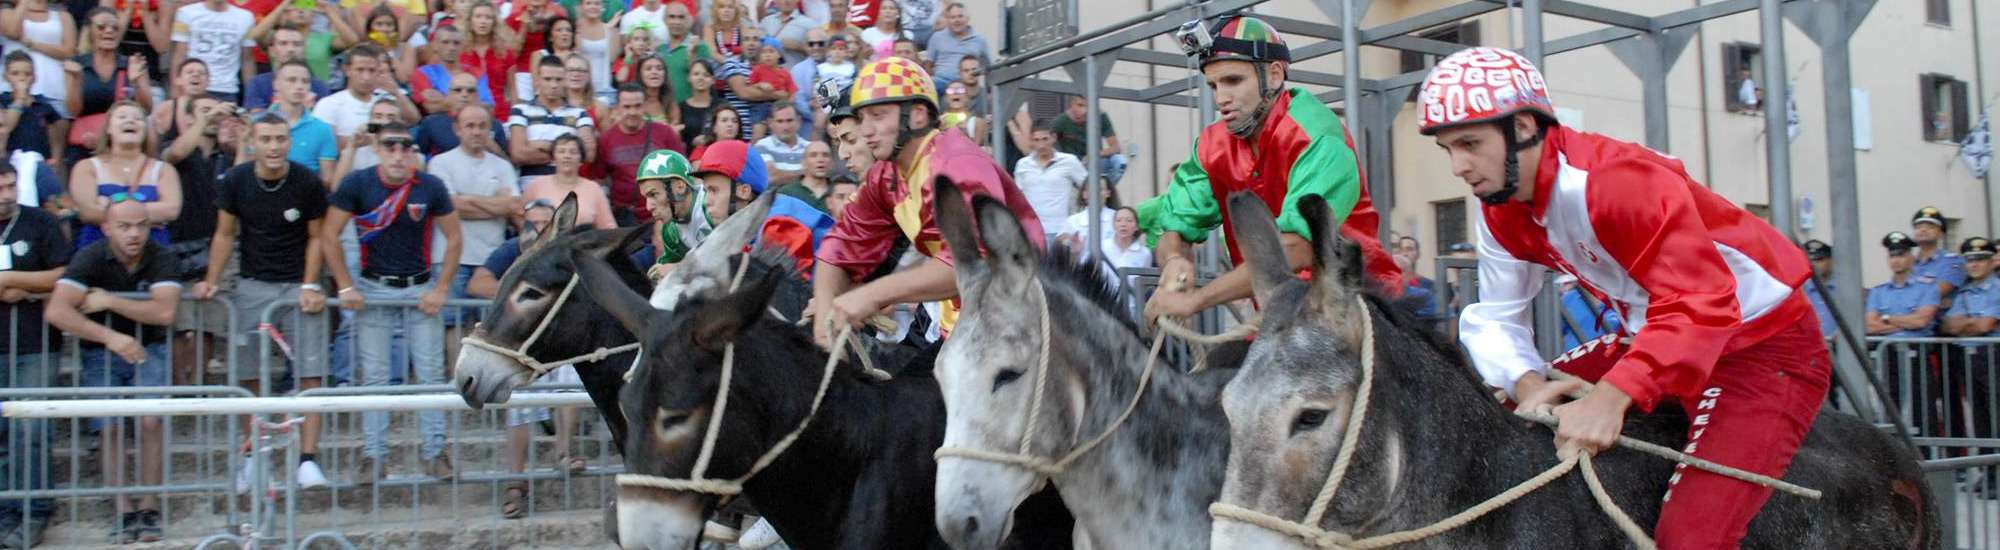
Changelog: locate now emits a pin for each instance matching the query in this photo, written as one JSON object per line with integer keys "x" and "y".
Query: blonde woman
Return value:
{"x": 124, "y": 169}
{"x": 724, "y": 33}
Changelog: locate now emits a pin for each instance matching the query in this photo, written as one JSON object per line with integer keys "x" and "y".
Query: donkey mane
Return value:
{"x": 1091, "y": 282}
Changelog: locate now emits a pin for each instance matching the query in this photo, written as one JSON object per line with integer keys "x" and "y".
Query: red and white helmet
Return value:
{"x": 1481, "y": 85}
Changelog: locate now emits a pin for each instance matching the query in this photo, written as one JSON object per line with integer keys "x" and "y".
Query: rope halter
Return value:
{"x": 698, "y": 480}
{"x": 520, "y": 354}
{"x": 1024, "y": 457}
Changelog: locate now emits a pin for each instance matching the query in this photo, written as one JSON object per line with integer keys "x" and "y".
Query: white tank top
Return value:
{"x": 598, "y": 52}
{"x": 48, "y": 70}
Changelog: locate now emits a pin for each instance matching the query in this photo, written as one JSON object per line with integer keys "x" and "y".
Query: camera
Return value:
{"x": 1194, "y": 38}
{"x": 374, "y": 127}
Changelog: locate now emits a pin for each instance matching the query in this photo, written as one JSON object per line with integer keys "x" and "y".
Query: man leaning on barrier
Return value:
{"x": 129, "y": 346}
{"x": 33, "y": 251}
{"x": 274, "y": 206}
{"x": 1974, "y": 313}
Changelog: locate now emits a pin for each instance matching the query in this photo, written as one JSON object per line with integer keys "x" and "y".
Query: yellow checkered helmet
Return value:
{"x": 891, "y": 80}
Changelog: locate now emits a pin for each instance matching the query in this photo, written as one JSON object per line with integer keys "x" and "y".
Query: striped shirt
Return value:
{"x": 733, "y": 68}
{"x": 546, "y": 125}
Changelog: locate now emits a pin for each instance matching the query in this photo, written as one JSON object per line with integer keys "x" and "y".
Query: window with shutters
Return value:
{"x": 1466, "y": 34}
{"x": 1451, "y": 227}
{"x": 1938, "y": 12}
{"x": 1742, "y": 73}
{"x": 1944, "y": 109}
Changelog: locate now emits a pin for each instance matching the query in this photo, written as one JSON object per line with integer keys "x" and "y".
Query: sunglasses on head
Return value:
{"x": 116, "y": 198}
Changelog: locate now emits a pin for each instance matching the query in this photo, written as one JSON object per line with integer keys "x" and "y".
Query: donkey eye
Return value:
{"x": 1005, "y": 377}
{"x": 528, "y": 295}
{"x": 1308, "y": 420}
{"x": 670, "y": 419}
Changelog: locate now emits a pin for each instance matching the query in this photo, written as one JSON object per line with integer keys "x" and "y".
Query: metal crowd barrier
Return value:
{"x": 201, "y": 439}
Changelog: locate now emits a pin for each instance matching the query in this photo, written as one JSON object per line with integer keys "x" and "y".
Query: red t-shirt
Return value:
{"x": 497, "y": 67}
{"x": 261, "y": 9}
{"x": 618, "y": 157}
{"x": 777, "y": 77}
{"x": 537, "y": 40}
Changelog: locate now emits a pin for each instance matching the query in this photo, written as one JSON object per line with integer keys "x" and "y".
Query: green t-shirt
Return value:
{"x": 319, "y": 55}
{"x": 678, "y": 60}
{"x": 1069, "y": 135}
{"x": 611, "y": 8}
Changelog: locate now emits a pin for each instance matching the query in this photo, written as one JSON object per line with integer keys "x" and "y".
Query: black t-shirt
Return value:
{"x": 97, "y": 267}
{"x": 201, "y": 180}
{"x": 32, "y": 134}
{"x": 36, "y": 243}
{"x": 272, "y": 219}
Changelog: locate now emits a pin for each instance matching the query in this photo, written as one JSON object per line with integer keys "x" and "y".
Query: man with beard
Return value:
{"x": 33, "y": 251}
{"x": 204, "y": 144}
{"x": 123, "y": 342}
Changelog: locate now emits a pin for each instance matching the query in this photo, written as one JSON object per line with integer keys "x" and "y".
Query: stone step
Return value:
{"x": 392, "y": 529}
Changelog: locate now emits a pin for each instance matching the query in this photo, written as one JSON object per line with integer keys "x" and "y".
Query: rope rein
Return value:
{"x": 1309, "y": 531}
{"x": 698, "y": 481}
{"x": 520, "y": 354}
{"x": 1024, "y": 457}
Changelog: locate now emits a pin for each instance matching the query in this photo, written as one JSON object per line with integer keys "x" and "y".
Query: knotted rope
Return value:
{"x": 520, "y": 354}
{"x": 698, "y": 481}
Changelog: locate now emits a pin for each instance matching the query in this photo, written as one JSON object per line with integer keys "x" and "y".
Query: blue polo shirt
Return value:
{"x": 1813, "y": 295}
{"x": 1978, "y": 299}
{"x": 393, "y": 223}
{"x": 312, "y": 142}
{"x": 1891, "y": 299}
{"x": 257, "y": 93}
{"x": 1941, "y": 267}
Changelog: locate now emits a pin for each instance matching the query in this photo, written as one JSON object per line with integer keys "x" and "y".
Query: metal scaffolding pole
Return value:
{"x": 1777, "y": 136}
{"x": 1093, "y": 144}
{"x": 1531, "y": 32}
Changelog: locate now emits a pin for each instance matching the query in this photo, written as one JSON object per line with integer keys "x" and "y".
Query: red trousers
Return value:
{"x": 1753, "y": 413}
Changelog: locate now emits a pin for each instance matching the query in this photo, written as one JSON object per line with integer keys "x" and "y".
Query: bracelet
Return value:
{"x": 313, "y": 287}
{"x": 345, "y": 290}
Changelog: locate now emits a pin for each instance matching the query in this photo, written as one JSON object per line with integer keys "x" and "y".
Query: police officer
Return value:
{"x": 1821, "y": 257}
{"x": 1935, "y": 264}
{"x": 1975, "y": 313}
{"x": 1902, "y": 307}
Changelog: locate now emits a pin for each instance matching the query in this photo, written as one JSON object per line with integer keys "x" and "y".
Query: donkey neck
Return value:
{"x": 1165, "y": 463}
{"x": 867, "y": 446}
{"x": 1430, "y": 430}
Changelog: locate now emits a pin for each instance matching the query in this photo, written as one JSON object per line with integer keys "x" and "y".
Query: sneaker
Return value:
{"x": 243, "y": 475}
{"x": 310, "y": 476}
{"x": 127, "y": 529}
{"x": 439, "y": 467}
{"x": 149, "y": 526}
{"x": 368, "y": 471}
{"x": 759, "y": 536}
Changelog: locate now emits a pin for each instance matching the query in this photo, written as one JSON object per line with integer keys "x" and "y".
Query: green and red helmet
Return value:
{"x": 1245, "y": 38}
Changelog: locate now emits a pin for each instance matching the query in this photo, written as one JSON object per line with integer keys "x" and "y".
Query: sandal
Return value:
{"x": 515, "y": 506}
{"x": 571, "y": 464}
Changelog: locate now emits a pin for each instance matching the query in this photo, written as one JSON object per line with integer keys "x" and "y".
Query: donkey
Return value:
{"x": 528, "y": 294}
{"x": 1434, "y": 442}
{"x": 530, "y": 289}
{"x": 1149, "y": 484}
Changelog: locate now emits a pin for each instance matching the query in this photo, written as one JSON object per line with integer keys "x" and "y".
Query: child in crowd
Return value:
{"x": 768, "y": 73}
{"x": 839, "y": 64}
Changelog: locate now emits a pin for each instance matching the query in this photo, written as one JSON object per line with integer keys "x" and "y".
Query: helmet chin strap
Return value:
{"x": 1246, "y": 127}
{"x": 1514, "y": 148}
{"x": 904, "y": 133}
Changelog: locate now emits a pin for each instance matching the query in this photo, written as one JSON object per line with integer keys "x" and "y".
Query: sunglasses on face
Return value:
{"x": 398, "y": 144}
{"x": 816, "y": 43}
{"x": 465, "y": 89}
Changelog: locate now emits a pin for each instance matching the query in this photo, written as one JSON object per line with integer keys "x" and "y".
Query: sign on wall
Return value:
{"x": 1039, "y": 22}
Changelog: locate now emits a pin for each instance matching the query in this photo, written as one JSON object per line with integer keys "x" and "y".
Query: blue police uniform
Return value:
{"x": 1978, "y": 299}
{"x": 1813, "y": 295}
{"x": 1941, "y": 267}
{"x": 1891, "y": 299}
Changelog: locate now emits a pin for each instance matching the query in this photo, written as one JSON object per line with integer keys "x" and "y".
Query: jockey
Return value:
{"x": 731, "y": 175}
{"x": 897, "y": 107}
{"x": 1275, "y": 141}
{"x": 658, "y": 175}
{"x": 1709, "y": 292}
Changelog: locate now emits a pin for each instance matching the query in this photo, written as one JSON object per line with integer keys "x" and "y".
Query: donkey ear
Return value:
{"x": 601, "y": 283}
{"x": 1337, "y": 269}
{"x": 723, "y": 320}
{"x": 1012, "y": 253}
{"x": 1257, "y": 233}
{"x": 613, "y": 243}
{"x": 954, "y": 221}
